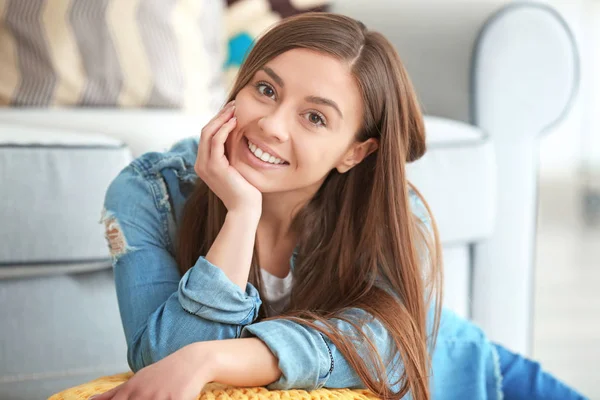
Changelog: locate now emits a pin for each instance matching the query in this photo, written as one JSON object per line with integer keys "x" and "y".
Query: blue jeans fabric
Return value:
{"x": 523, "y": 379}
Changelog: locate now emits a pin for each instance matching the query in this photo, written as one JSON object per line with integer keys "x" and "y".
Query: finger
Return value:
{"x": 218, "y": 141}
{"x": 210, "y": 130}
{"x": 214, "y": 124}
{"x": 222, "y": 111}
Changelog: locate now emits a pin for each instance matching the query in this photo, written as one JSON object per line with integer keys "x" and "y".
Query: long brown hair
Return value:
{"x": 360, "y": 245}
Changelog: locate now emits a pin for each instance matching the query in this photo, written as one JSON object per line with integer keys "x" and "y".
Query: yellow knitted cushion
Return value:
{"x": 214, "y": 391}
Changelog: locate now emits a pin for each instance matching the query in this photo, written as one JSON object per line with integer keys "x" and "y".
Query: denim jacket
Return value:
{"x": 162, "y": 311}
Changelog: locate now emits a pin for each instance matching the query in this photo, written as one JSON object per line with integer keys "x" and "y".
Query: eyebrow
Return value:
{"x": 273, "y": 76}
{"x": 326, "y": 102}
{"x": 310, "y": 99}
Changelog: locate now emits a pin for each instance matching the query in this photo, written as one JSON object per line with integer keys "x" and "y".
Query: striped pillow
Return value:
{"x": 111, "y": 53}
{"x": 247, "y": 19}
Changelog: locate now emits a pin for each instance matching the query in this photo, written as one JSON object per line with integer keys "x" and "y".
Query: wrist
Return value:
{"x": 204, "y": 358}
{"x": 244, "y": 362}
{"x": 248, "y": 215}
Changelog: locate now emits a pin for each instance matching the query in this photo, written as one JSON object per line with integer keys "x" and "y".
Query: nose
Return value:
{"x": 274, "y": 125}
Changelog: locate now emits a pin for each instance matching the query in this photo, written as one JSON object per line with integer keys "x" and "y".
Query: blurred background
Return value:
{"x": 511, "y": 98}
{"x": 567, "y": 268}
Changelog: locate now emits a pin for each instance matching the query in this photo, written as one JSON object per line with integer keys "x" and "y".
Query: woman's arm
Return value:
{"x": 239, "y": 362}
{"x": 161, "y": 311}
{"x": 465, "y": 364}
{"x": 239, "y": 233}
{"x": 183, "y": 374}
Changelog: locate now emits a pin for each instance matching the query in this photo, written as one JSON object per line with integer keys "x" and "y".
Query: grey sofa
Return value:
{"x": 492, "y": 78}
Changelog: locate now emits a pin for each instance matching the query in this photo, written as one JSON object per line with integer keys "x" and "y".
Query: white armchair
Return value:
{"x": 498, "y": 70}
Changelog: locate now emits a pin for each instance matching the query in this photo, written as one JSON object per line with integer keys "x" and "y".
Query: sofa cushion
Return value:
{"x": 140, "y": 130}
{"x": 159, "y": 54}
{"x": 53, "y": 185}
{"x": 457, "y": 177}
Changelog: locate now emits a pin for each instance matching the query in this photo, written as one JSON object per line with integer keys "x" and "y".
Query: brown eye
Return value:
{"x": 316, "y": 119}
{"x": 265, "y": 89}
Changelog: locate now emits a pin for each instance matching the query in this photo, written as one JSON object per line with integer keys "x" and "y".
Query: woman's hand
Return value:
{"x": 182, "y": 375}
{"x": 214, "y": 169}
{"x": 246, "y": 362}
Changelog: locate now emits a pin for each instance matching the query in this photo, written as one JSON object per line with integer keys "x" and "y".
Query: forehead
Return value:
{"x": 310, "y": 73}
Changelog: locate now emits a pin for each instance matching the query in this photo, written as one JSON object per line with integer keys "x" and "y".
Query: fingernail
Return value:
{"x": 233, "y": 119}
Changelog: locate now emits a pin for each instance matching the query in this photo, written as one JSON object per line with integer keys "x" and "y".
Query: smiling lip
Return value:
{"x": 256, "y": 162}
{"x": 266, "y": 148}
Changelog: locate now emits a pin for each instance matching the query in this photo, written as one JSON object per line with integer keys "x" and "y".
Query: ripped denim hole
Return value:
{"x": 117, "y": 243}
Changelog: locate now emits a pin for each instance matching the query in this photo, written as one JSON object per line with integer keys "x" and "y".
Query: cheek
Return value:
{"x": 314, "y": 155}
{"x": 247, "y": 107}
{"x": 332, "y": 152}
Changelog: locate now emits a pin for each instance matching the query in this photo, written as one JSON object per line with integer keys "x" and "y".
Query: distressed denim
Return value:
{"x": 162, "y": 311}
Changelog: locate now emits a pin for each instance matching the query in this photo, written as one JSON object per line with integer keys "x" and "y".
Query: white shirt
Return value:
{"x": 276, "y": 291}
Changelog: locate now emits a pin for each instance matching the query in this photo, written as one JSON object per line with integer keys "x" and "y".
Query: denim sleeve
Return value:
{"x": 309, "y": 360}
{"x": 161, "y": 311}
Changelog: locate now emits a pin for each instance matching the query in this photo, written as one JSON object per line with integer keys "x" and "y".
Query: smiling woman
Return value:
{"x": 301, "y": 257}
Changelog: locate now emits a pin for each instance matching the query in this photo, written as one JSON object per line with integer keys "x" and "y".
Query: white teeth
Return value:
{"x": 263, "y": 155}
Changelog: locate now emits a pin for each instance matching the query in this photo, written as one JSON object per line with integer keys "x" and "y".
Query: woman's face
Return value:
{"x": 303, "y": 109}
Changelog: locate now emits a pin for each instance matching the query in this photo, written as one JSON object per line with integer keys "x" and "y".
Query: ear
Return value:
{"x": 357, "y": 152}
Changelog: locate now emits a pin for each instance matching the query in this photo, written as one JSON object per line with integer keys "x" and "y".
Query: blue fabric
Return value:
{"x": 524, "y": 379}
{"x": 162, "y": 311}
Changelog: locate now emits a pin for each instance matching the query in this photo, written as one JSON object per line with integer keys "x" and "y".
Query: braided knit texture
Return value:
{"x": 215, "y": 391}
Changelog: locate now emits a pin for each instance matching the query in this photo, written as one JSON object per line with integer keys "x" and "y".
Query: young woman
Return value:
{"x": 287, "y": 249}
